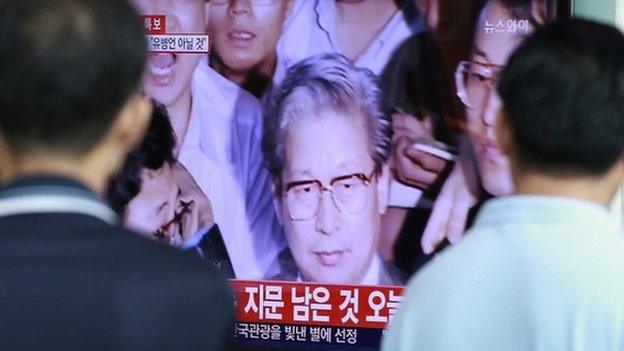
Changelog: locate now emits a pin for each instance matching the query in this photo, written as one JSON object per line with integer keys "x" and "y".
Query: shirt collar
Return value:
{"x": 326, "y": 13}
{"x": 43, "y": 180}
{"x": 209, "y": 110}
{"x": 52, "y": 194}
{"x": 326, "y": 20}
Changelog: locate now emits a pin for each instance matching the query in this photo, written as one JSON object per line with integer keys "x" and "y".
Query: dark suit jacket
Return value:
{"x": 71, "y": 281}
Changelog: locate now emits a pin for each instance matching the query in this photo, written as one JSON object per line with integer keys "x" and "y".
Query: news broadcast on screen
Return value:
{"x": 315, "y": 161}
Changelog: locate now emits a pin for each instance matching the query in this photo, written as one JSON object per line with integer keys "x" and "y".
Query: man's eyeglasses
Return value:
{"x": 348, "y": 193}
{"x": 475, "y": 81}
{"x": 161, "y": 233}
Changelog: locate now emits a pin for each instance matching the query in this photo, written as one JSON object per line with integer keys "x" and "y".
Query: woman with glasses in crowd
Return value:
{"x": 501, "y": 27}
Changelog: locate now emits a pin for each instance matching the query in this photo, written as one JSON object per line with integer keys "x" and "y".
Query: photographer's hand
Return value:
{"x": 409, "y": 165}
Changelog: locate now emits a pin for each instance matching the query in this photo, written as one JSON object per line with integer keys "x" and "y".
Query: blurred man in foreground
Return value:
{"x": 542, "y": 269}
{"x": 70, "y": 279}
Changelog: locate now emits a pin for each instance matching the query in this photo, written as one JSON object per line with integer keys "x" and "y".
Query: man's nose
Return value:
{"x": 492, "y": 107}
{"x": 238, "y": 7}
{"x": 327, "y": 220}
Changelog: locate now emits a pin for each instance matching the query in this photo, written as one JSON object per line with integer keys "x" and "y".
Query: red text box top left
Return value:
{"x": 155, "y": 24}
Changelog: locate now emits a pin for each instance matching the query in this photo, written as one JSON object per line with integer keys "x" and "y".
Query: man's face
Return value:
{"x": 332, "y": 245}
{"x": 491, "y": 51}
{"x": 155, "y": 205}
{"x": 245, "y": 34}
{"x": 168, "y": 76}
{"x": 170, "y": 207}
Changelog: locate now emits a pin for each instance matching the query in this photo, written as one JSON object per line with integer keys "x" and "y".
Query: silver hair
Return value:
{"x": 326, "y": 81}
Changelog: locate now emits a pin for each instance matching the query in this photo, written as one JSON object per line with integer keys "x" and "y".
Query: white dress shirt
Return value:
{"x": 222, "y": 151}
{"x": 311, "y": 30}
{"x": 534, "y": 273}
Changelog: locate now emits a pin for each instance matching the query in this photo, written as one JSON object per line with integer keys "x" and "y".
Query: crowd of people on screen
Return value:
{"x": 468, "y": 150}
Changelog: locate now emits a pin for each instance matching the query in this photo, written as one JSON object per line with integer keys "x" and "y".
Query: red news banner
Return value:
{"x": 158, "y": 40}
{"x": 316, "y": 304}
{"x": 155, "y": 24}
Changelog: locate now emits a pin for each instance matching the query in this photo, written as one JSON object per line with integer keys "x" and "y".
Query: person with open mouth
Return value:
{"x": 217, "y": 128}
{"x": 245, "y": 36}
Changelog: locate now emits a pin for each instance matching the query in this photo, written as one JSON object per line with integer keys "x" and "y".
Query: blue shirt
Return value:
{"x": 534, "y": 273}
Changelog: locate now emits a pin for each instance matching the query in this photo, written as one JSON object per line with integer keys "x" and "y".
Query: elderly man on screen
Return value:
{"x": 326, "y": 143}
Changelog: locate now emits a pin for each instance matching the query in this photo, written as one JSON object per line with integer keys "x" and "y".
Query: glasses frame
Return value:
{"x": 462, "y": 88}
{"x": 367, "y": 179}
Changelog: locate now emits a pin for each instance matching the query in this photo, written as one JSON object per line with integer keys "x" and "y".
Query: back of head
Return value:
{"x": 66, "y": 69}
{"x": 563, "y": 95}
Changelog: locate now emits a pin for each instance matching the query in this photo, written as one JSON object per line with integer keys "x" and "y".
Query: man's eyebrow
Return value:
{"x": 478, "y": 52}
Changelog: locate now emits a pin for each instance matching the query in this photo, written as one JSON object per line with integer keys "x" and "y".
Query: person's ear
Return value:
{"x": 132, "y": 122}
{"x": 383, "y": 189}
{"x": 504, "y": 134}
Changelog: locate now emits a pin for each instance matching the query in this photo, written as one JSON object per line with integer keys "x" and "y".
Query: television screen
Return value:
{"x": 321, "y": 152}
